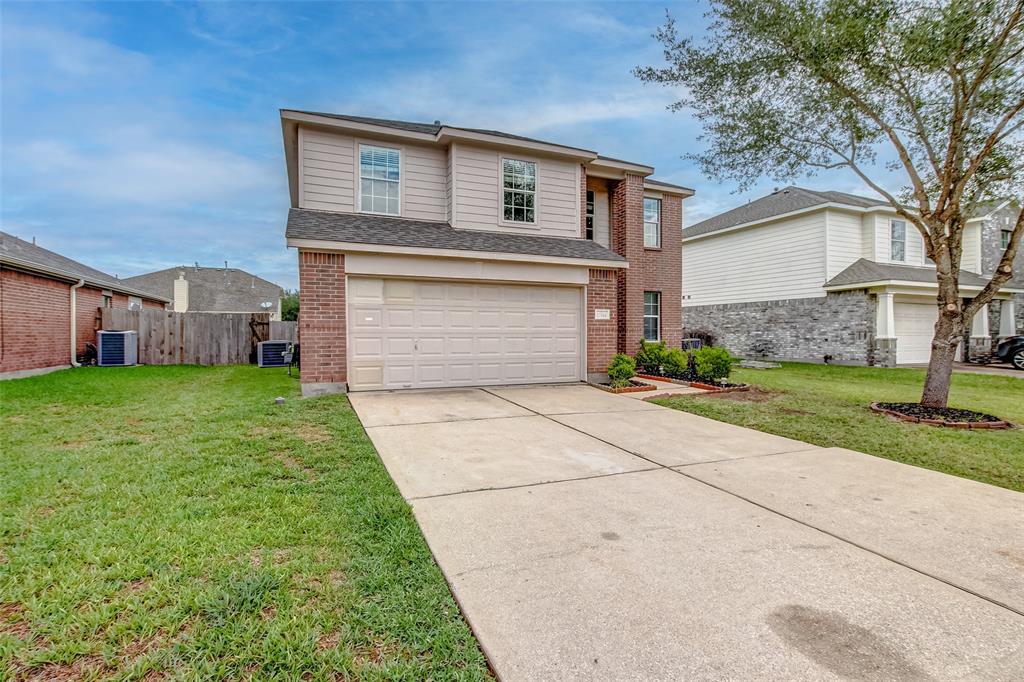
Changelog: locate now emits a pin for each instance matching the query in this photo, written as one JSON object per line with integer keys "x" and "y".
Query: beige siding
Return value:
{"x": 915, "y": 244}
{"x": 780, "y": 260}
{"x": 602, "y": 211}
{"x": 327, "y": 163}
{"x": 844, "y": 241}
{"x": 448, "y": 190}
{"x": 971, "y": 257}
{"x": 423, "y": 183}
{"x": 868, "y": 245}
{"x": 329, "y": 169}
{"x": 478, "y": 194}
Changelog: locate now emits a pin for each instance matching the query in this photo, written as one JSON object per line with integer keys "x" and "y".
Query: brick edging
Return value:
{"x": 624, "y": 389}
{"x": 695, "y": 384}
{"x": 875, "y": 407}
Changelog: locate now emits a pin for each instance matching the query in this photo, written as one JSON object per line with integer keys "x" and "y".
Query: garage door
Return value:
{"x": 423, "y": 334}
{"x": 915, "y": 325}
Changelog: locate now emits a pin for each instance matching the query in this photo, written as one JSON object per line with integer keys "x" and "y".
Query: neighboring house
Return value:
{"x": 213, "y": 290}
{"x": 433, "y": 255}
{"x": 809, "y": 275}
{"x": 49, "y": 306}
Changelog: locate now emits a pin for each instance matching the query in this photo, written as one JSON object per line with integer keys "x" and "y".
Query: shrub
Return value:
{"x": 712, "y": 363}
{"x": 706, "y": 336}
{"x": 651, "y": 356}
{"x": 621, "y": 370}
{"x": 676, "y": 363}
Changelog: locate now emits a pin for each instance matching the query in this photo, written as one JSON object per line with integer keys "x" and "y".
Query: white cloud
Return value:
{"x": 147, "y": 168}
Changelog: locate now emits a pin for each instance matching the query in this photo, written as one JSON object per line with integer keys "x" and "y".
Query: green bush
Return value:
{"x": 651, "y": 356}
{"x": 621, "y": 370}
{"x": 675, "y": 362}
{"x": 712, "y": 363}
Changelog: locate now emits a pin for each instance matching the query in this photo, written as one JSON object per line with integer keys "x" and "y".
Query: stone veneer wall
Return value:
{"x": 840, "y": 324}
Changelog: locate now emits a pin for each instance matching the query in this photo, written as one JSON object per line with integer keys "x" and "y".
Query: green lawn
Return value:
{"x": 172, "y": 522}
{"x": 828, "y": 406}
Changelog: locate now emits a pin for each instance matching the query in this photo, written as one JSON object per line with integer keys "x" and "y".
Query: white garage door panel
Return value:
{"x": 411, "y": 334}
{"x": 915, "y": 326}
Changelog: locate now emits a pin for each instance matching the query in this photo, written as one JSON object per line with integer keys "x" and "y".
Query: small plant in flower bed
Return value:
{"x": 651, "y": 356}
{"x": 621, "y": 370}
{"x": 945, "y": 414}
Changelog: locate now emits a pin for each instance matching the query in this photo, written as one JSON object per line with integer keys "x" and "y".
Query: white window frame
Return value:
{"x": 502, "y": 188}
{"x": 1004, "y": 238}
{"x": 589, "y": 212}
{"x": 656, "y": 316}
{"x": 134, "y": 303}
{"x": 359, "y": 178}
{"x": 893, "y": 241}
{"x": 657, "y": 225}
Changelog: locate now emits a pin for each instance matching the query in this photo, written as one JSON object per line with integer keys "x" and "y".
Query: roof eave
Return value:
{"x": 783, "y": 216}
{"x": 872, "y": 284}
{"x": 360, "y": 247}
{"x": 55, "y": 273}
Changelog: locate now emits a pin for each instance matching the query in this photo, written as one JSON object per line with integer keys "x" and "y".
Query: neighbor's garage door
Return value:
{"x": 915, "y": 325}
{"x": 422, "y": 334}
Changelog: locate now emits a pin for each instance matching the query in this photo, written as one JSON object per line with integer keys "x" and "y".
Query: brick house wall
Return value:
{"x": 650, "y": 269}
{"x": 322, "y": 318}
{"x": 34, "y": 329}
{"x": 602, "y": 335}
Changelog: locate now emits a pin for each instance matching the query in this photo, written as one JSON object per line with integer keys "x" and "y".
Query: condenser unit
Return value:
{"x": 271, "y": 353}
{"x": 114, "y": 349}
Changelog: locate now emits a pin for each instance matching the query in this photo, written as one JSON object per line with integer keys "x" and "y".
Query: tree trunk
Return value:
{"x": 948, "y": 333}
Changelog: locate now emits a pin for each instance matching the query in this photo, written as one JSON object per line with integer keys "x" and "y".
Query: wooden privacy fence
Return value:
{"x": 170, "y": 338}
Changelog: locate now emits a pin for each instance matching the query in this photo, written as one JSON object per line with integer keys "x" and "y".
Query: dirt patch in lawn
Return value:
{"x": 328, "y": 641}
{"x": 751, "y": 395}
{"x": 82, "y": 668}
{"x": 374, "y": 653}
{"x": 12, "y": 621}
{"x": 311, "y": 433}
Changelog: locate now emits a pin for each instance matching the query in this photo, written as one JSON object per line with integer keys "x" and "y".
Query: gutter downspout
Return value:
{"x": 74, "y": 328}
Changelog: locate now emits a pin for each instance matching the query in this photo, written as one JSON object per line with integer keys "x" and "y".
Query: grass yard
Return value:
{"x": 172, "y": 522}
{"x": 828, "y": 406}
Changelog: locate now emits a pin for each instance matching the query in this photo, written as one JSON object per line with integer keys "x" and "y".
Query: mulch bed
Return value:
{"x": 634, "y": 387}
{"x": 695, "y": 383}
{"x": 941, "y": 416}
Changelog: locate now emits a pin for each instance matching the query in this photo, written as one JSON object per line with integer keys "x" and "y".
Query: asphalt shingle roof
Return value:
{"x": 777, "y": 203}
{"x": 429, "y": 128}
{"x": 863, "y": 271}
{"x": 370, "y": 229}
{"x": 212, "y": 290}
{"x": 21, "y": 251}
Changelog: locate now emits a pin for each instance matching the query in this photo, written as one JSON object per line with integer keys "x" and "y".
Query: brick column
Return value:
{"x": 627, "y": 240}
{"x": 322, "y": 322}
{"x": 602, "y": 335}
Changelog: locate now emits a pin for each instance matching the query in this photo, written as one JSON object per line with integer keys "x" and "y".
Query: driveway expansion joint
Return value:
{"x": 531, "y": 485}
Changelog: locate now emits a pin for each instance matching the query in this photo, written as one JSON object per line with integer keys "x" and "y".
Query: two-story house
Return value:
{"x": 433, "y": 255}
{"x": 828, "y": 276}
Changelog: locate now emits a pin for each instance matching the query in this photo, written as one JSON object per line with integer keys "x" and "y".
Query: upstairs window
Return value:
{"x": 379, "y": 180}
{"x": 652, "y": 223}
{"x": 652, "y": 315}
{"x": 1004, "y": 238}
{"x": 897, "y": 240}
{"x": 590, "y": 215}
{"x": 519, "y": 190}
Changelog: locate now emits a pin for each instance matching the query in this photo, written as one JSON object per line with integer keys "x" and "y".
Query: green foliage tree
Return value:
{"x": 932, "y": 90}
{"x": 290, "y": 305}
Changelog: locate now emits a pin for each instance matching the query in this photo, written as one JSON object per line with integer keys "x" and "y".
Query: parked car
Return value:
{"x": 1011, "y": 350}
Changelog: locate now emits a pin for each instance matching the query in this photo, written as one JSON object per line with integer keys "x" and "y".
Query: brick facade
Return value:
{"x": 322, "y": 321}
{"x": 34, "y": 329}
{"x": 650, "y": 269}
{"x": 602, "y": 335}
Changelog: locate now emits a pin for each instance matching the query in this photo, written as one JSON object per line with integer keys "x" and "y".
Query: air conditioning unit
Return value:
{"x": 117, "y": 349}
{"x": 271, "y": 353}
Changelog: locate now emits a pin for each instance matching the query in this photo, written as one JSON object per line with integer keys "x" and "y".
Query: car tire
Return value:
{"x": 1018, "y": 358}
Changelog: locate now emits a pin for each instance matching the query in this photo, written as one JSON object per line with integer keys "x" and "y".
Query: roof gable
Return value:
{"x": 213, "y": 289}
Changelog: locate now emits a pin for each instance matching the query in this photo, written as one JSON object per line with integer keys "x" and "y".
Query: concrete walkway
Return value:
{"x": 593, "y": 536}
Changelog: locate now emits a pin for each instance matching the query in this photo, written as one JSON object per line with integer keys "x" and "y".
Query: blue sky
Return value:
{"x": 138, "y": 136}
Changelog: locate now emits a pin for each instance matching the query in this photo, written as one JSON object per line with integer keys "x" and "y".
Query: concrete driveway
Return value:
{"x": 593, "y": 536}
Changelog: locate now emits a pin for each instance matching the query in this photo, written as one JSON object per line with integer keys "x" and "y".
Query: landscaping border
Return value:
{"x": 634, "y": 387}
{"x": 875, "y": 407}
{"x": 695, "y": 384}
